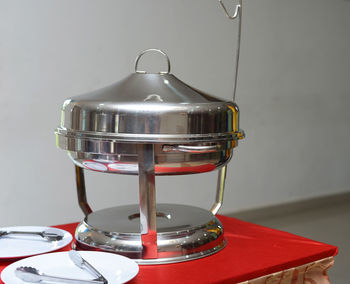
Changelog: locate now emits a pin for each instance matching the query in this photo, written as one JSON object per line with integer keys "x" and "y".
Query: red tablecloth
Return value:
{"x": 252, "y": 251}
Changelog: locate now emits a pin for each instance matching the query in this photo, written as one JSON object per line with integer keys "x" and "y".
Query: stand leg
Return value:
{"x": 147, "y": 196}
{"x": 219, "y": 190}
{"x": 80, "y": 182}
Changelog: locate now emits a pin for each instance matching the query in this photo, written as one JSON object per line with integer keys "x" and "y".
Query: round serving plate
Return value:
{"x": 115, "y": 268}
{"x": 23, "y": 245}
{"x": 183, "y": 233}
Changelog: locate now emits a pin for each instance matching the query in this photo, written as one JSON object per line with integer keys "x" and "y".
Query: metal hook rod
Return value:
{"x": 234, "y": 16}
{"x": 238, "y": 13}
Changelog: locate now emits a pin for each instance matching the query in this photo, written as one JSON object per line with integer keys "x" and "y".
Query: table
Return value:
{"x": 254, "y": 254}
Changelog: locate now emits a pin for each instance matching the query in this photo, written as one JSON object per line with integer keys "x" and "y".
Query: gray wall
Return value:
{"x": 293, "y": 93}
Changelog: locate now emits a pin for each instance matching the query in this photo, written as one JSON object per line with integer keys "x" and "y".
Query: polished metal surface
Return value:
{"x": 170, "y": 159}
{"x": 147, "y": 198}
{"x": 155, "y": 108}
{"x": 183, "y": 233}
{"x": 147, "y": 201}
{"x": 219, "y": 198}
{"x": 192, "y": 132}
{"x": 81, "y": 190}
{"x": 148, "y": 50}
{"x": 151, "y": 124}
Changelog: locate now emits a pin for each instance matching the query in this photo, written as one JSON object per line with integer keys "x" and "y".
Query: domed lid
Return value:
{"x": 146, "y": 107}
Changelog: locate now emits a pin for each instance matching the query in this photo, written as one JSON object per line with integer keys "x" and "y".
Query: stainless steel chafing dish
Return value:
{"x": 148, "y": 125}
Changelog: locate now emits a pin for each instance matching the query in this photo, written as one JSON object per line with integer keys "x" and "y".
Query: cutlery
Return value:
{"x": 79, "y": 261}
{"x": 49, "y": 235}
{"x": 33, "y": 275}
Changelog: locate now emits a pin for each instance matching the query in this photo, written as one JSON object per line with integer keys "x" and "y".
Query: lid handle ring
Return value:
{"x": 148, "y": 50}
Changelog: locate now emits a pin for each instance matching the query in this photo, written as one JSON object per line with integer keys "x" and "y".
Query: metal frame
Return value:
{"x": 147, "y": 201}
{"x": 147, "y": 198}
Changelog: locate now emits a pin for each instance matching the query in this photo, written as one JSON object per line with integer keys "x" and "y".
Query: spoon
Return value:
{"x": 49, "y": 234}
{"x": 33, "y": 275}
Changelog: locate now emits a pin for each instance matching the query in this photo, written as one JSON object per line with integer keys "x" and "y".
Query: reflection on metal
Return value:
{"x": 150, "y": 124}
{"x": 147, "y": 201}
{"x": 219, "y": 190}
{"x": 190, "y": 233}
{"x": 80, "y": 183}
{"x": 194, "y": 149}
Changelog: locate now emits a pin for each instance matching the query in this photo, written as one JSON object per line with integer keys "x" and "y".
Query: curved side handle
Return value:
{"x": 237, "y": 13}
{"x": 191, "y": 148}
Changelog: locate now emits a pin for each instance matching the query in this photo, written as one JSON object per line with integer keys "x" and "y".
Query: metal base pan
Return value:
{"x": 183, "y": 233}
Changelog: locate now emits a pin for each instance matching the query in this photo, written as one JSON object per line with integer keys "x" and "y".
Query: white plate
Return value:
{"x": 115, "y": 268}
{"x": 14, "y": 246}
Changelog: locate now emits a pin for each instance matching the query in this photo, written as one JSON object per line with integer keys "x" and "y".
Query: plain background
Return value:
{"x": 293, "y": 92}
